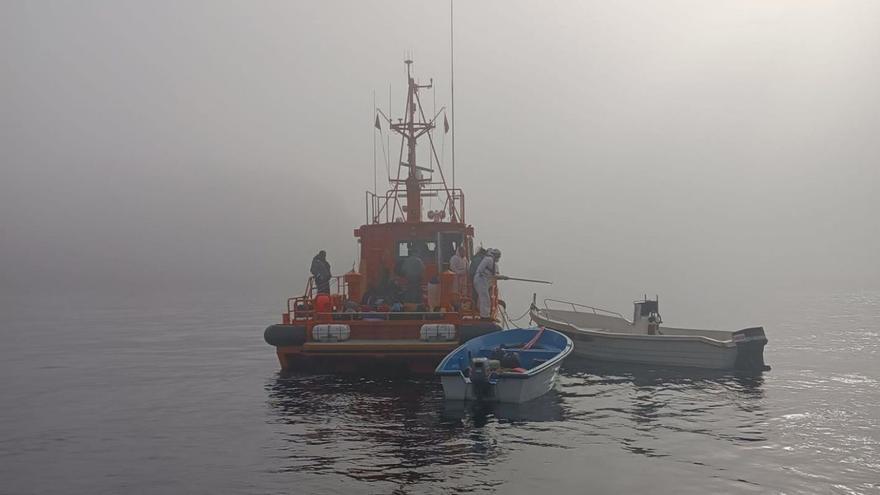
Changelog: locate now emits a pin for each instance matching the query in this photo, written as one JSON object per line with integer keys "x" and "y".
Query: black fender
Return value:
{"x": 283, "y": 335}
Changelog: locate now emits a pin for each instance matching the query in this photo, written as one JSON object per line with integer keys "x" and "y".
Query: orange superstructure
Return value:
{"x": 398, "y": 309}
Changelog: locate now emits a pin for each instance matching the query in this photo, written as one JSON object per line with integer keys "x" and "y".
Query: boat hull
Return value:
{"x": 416, "y": 358}
{"x": 370, "y": 350}
{"x": 509, "y": 390}
{"x": 707, "y": 349}
{"x": 652, "y": 351}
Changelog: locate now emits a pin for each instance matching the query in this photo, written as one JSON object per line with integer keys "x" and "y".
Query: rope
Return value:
{"x": 508, "y": 321}
{"x": 505, "y": 320}
{"x": 522, "y": 316}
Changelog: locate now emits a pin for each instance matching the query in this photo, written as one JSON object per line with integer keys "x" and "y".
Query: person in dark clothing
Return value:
{"x": 371, "y": 296}
{"x": 472, "y": 270}
{"x": 321, "y": 272}
{"x": 388, "y": 290}
{"x": 413, "y": 269}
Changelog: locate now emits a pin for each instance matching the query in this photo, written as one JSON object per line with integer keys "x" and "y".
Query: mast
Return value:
{"x": 418, "y": 181}
{"x": 411, "y": 129}
{"x": 413, "y": 187}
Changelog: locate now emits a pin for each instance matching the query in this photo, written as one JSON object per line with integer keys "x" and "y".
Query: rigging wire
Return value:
{"x": 431, "y": 156}
{"x": 443, "y": 148}
{"x": 385, "y": 154}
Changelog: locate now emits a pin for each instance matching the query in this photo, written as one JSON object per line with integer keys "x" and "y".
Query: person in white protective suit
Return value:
{"x": 459, "y": 266}
{"x": 483, "y": 280}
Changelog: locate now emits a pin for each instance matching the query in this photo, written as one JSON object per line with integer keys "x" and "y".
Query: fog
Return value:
{"x": 690, "y": 149}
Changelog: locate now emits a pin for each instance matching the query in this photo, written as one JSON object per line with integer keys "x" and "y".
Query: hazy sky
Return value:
{"x": 682, "y": 148}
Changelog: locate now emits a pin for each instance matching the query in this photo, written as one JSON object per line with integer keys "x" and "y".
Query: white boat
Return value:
{"x": 515, "y": 365}
{"x": 607, "y": 336}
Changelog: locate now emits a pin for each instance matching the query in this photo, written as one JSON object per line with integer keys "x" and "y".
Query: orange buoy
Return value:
{"x": 447, "y": 280}
{"x": 323, "y": 303}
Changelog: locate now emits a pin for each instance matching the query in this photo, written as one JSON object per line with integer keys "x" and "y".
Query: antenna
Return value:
{"x": 388, "y": 137}
{"x": 375, "y": 171}
{"x": 452, "y": 85}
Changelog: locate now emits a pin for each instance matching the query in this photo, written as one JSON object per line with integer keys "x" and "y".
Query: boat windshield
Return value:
{"x": 427, "y": 249}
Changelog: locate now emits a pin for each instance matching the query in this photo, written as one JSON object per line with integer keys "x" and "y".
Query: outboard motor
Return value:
{"x": 750, "y": 349}
{"x": 479, "y": 377}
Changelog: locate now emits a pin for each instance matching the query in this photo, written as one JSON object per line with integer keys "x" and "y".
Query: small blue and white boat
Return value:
{"x": 515, "y": 365}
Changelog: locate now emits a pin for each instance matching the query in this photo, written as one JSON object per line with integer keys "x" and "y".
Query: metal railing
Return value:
{"x": 574, "y": 307}
{"x": 385, "y": 209}
{"x": 301, "y": 307}
{"x": 384, "y": 316}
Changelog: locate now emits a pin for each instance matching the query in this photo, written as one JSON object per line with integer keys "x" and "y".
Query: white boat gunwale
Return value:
{"x": 569, "y": 347}
{"x": 661, "y": 337}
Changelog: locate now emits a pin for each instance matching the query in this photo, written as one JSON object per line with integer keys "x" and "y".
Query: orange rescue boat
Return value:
{"x": 374, "y": 318}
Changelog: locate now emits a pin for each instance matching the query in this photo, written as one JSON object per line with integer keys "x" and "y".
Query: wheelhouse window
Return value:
{"x": 428, "y": 249}
{"x": 449, "y": 243}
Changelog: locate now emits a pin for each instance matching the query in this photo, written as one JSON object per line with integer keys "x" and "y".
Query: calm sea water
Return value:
{"x": 166, "y": 397}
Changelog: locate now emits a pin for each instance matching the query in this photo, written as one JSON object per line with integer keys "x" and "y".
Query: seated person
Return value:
{"x": 509, "y": 359}
{"x": 371, "y": 295}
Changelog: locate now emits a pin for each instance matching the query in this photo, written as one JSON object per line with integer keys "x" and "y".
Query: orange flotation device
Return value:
{"x": 323, "y": 303}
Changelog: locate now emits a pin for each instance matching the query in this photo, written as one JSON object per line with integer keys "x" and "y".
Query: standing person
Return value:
{"x": 413, "y": 269}
{"x": 472, "y": 271}
{"x": 321, "y": 272}
{"x": 483, "y": 280}
{"x": 459, "y": 266}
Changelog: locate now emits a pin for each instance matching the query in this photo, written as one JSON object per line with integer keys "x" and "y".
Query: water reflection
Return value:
{"x": 543, "y": 409}
{"x": 402, "y": 432}
{"x": 640, "y": 405}
{"x": 394, "y": 430}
